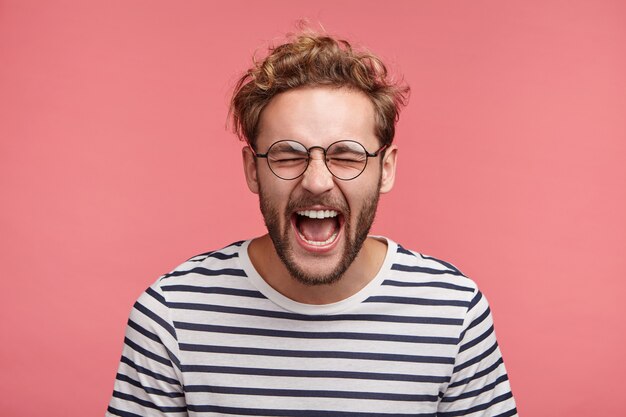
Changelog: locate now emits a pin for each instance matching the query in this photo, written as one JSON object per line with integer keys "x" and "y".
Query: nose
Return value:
{"x": 317, "y": 179}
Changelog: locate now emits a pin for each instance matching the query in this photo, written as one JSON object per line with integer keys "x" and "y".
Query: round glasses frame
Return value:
{"x": 326, "y": 159}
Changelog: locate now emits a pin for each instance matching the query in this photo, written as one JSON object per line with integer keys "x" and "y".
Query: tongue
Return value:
{"x": 317, "y": 230}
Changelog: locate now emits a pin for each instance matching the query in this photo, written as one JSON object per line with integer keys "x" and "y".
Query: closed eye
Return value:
{"x": 289, "y": 159}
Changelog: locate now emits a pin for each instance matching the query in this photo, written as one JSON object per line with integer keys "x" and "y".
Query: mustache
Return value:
{"x": 301, "y": 202}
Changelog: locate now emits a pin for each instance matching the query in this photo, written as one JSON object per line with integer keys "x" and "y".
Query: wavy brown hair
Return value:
{"x": 310, "y": 60}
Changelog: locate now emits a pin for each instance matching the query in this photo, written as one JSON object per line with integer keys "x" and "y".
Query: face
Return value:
{"x": 318, "y": 223}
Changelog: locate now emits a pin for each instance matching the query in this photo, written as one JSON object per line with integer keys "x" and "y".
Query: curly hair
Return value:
{"x": 310, "y": 60}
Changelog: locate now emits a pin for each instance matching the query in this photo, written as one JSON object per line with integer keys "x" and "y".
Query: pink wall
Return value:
{"x": 115, "y": 166}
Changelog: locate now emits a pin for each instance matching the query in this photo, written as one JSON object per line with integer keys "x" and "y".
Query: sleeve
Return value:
{"x": 149, "y": 379}
{"x": 479, "y": 386}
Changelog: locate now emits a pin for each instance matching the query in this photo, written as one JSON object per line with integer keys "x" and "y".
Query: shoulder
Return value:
{"x": 218, "y": 260}
{"x": 424, "y": 273}
{"x": 199, "y": 269}
{"x": 211, "y": 272}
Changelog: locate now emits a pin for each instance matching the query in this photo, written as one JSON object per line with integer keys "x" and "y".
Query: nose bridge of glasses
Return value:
{"x": 318, "y": 163}
{"x": 319, "y": 168}
{"x": 317, "y": 177}
{"x": 322, "y": 151}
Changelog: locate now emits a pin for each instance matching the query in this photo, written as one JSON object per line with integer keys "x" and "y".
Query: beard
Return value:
{"x": 352, "y": 244}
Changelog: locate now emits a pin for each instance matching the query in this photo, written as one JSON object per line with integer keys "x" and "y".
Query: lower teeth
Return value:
{"x": 316, "y": 243}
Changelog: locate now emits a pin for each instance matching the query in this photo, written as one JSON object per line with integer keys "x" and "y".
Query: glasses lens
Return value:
{"x": 287, "y": 159}
{"x": 346, "y": 159}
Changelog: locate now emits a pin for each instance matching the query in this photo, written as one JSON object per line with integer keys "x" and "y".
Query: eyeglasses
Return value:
{"x": 345, "y": 159}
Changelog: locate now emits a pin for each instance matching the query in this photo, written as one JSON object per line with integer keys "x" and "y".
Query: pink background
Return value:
{"x": 115, "y": 166}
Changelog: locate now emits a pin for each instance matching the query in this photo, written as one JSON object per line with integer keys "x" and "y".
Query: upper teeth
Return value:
{"x": 318, "y": 214}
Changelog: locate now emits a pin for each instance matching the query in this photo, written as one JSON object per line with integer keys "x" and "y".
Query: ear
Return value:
{"x": 388, "y": 174}
{"x": 249, "y": 169}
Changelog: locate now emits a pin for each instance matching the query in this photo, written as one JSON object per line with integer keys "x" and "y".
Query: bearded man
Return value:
{"x": 317, "y": 317}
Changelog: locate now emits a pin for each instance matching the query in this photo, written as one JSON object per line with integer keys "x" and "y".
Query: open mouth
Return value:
{"x": 318, "y": 228}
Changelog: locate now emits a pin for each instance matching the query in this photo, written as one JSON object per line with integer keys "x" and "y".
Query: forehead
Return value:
{"x": 318, "y": 116}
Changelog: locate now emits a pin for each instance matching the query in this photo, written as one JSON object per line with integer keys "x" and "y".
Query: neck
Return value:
{"x": 364, "y": 268}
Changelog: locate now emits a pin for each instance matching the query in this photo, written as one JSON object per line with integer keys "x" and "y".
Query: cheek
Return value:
{"x": 275, "y": 197}
{"x": 357, "y": 194}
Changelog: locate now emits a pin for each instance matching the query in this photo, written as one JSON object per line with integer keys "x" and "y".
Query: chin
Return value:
{"x": 314, "y": 276}
{"x": 313, "y": 269}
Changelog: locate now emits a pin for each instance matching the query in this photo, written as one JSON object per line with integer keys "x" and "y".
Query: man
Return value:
{"x": 316, "y": 318}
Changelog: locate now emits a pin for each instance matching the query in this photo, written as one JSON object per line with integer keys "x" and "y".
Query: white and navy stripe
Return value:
{"x": 212, "y": 338}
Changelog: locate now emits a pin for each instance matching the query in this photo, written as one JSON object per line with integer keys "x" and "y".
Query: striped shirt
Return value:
{"x": 213, "y": 338}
